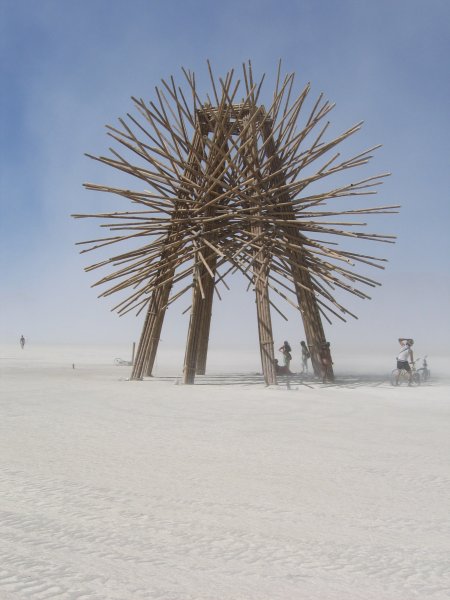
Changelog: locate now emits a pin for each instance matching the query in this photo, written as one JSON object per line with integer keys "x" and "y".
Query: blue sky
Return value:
{"x": 69, "y": 68}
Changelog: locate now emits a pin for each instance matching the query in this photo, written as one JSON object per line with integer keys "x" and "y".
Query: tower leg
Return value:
{"x": 312, "y": 323}
{"x": 148, "y": 343}
{"x": 265, "y": 331}
{"x": 194, "y": 332}
{"x": 205, "y": 325}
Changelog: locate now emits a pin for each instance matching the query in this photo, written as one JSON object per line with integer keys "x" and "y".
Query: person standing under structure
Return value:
{"x": 325, "y": 359}
{"x": 306, "y": 354}
{"x": 287, "y": 356}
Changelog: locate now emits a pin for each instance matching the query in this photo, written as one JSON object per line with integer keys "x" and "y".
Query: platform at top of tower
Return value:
{"x": 231, "y": 117}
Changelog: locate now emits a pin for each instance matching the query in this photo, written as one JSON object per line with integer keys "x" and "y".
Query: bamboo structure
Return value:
{"x": 225, "y": 189}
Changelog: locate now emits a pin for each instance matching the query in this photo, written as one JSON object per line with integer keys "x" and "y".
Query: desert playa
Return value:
{"x": 226, "y": 490}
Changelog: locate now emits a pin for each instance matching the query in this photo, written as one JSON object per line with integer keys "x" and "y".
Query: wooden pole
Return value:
{"x": 205, "y": 325}
{"x": 192, "y": 343}
{"x": 149, "y": 340}
{"x": 264, "y": 325}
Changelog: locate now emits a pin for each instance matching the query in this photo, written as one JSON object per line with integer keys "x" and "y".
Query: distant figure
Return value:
{"x": 22, "y": 342}
{"x": 306, "y": 354}
{"x": 405, "y": 357}
{"x": 279, "y": 370}
{"x": 325, "y": 359}
{"x": 286, "y": 352}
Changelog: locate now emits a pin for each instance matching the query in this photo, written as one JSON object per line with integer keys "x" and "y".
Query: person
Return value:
{"x": 306, "y": 354}
{"x": 404, "y": 358}
{"x": 22, "y": 342}
{"x": 279, "y": 370}
{"x": 286, "y": 352}
{"x": 325, "y": 359}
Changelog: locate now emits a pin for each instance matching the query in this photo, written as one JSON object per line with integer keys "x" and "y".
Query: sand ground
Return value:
{"x": 227, "y": 490}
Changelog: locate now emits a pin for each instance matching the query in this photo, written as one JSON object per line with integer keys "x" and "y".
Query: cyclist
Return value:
{"x": 404, "y": 358}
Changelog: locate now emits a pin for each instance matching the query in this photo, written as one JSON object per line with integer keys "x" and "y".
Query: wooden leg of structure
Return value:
{"x": 155, "y": 336}
{"x": 205, "y": 325}
{"x": 148, "y": 343}
{"x": 265, "y": 331}
{"x": 312, "y": 323}
{"x": 194, "y": 332}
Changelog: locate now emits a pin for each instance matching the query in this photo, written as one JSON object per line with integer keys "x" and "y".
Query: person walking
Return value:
{"x": 306, "y": 354}
{"x": 22, "y": 342}
{"x": 404, "y": 358}
{"x": 287, "y": 356}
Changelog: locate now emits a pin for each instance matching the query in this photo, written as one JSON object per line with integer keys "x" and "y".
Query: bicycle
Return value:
{"x": 119, "y": 362}
{"x": 424, "y": 372}
{"x": 400, "y": 376}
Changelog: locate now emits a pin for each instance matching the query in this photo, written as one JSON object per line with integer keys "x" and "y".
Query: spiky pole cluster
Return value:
{"x": 223, "y": 188}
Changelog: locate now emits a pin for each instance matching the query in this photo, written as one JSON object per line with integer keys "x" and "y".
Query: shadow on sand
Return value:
{"x": 284, "y": 381}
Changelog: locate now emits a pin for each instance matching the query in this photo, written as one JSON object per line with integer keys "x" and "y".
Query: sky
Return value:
{"x": 70, "y": 68}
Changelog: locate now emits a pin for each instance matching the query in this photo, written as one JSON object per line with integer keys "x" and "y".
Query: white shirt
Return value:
{"x": 404, "y": 353}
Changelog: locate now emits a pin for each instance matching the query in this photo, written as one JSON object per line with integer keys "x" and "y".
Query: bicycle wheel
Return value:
{"x": 395, "y": 377}
{"x": 415, "y": 379}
